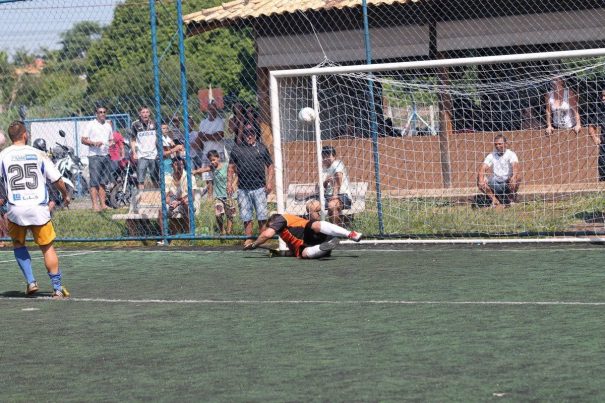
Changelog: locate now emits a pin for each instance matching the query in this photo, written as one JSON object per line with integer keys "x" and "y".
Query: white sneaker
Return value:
{"x": 32, "y": 288}
{"x": 355, "y": 236}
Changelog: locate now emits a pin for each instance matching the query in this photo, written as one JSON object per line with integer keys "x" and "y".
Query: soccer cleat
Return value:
{"x": 61, "y": 294}
{"x": 355, "y": 236}
{"x": 32, "y": 288}
{"x": 329, "y": 245}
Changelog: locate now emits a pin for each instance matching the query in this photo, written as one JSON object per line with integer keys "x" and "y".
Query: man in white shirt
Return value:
{"x": 98, "y": 136}
{"x": 335, "y": 180}
{"x": 24, "y": 171}
{"x": 502, "y": 185}
{"x": 211, "y": 137}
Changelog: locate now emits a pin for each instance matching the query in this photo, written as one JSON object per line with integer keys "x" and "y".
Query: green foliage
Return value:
{"x": 114, "y": 64}
{"x": 77, "y": 40}
{"x": 120, "y": 66}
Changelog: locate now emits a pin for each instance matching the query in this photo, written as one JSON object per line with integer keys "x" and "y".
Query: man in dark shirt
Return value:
{"x": 253, "y": 165}
{"x": 598, "y": 121}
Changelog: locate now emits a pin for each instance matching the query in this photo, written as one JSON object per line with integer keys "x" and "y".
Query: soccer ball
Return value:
{"x": 307, "y": 115}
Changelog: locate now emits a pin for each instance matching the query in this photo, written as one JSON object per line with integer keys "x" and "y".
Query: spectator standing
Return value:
{"x": 117, "y": 153}
{"x": 196, "y": 147}
{"x": 143, "y": 144}
{"x": 223, "y": 207}
{"x": 98, "y": 136}
{"x": 169, "y": 148}
{"x": 335, "y": 181}
{"x": 561, "y": 108}
{"x": 502, "y": 185}
{"x": 211, "y": 137}
{"x": 253, "y": 165}
{"x": 237, "y": 122}
{"x": 598, "y": 122}
{"x": 251, "y": 123}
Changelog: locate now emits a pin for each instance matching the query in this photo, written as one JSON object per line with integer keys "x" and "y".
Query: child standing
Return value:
{"x": 223, "y": 206}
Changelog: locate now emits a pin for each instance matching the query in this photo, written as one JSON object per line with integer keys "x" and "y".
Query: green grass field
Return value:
{"x": 414, "y": 217}
{"x": 439, "y": 324}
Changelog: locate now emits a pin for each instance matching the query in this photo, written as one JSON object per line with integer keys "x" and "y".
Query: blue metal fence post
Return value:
{"x": 188, "y": 166}
{"x": 373, "y": 118}
{"x": 158, "y": 114}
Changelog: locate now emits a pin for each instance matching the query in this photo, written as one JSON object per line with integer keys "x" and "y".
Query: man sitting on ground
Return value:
{"x": 502, "y": 186}
{"x": 306, "y": 239}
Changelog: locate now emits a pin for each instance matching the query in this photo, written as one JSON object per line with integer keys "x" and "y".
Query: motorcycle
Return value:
{"x": 124, "y": 185}
{"x": 70, "y": 166}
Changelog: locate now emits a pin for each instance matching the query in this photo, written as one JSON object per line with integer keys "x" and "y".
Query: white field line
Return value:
{"x": 309, "y": 302}
{"x": 60, "y": 255}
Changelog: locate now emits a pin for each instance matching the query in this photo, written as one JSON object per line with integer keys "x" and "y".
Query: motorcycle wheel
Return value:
{"x": 118, "y": 198}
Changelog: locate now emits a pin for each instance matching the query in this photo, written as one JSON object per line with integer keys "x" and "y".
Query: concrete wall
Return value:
{"x": 414, "y": 163}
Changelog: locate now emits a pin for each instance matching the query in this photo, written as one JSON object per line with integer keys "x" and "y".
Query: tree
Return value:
{"x": 76, "y": 41}
{"x": 120, "y": 68}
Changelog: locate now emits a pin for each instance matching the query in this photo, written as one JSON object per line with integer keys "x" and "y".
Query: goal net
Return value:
{"x": 414, "y": 139}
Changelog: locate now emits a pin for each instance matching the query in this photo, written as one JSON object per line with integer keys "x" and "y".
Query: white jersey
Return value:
{"x": 336, "y": 167}
{"x": 98, "y": 132}
{"x": 502, "y": 165}
{"x": 24, "y": 171}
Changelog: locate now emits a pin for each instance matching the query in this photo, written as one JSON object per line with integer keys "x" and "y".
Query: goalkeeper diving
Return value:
{"x": 306, "y": 239}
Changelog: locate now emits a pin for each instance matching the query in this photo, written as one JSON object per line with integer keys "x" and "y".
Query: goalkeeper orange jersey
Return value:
{"x": 296, "y": 232}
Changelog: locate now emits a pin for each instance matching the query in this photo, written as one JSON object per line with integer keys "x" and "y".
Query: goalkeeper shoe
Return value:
{"x": 61, "y": 294}
{"x": 355, "y": 236}
{"x": 329, "y": 245}
{"x": 32, "y": 288}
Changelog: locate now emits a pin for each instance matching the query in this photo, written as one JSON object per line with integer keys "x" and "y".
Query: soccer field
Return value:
{"x": 437, "y": 324}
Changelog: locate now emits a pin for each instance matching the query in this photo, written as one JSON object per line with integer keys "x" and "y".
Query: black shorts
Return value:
{"x": 311, "y": 238}
{"x": 99, "y": 169}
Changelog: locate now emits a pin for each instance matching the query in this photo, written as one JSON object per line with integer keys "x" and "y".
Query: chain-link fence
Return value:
{"x": 185, "y": 87}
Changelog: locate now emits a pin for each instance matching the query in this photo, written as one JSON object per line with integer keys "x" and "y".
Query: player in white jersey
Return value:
{"x": 24, "y": 171}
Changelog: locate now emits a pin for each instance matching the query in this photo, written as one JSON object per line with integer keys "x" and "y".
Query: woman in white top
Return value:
{"x": 561, "y": 108}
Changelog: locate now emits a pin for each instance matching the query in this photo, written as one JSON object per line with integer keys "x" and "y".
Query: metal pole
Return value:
{"x": 179, "y": 22}
{"x": 426, "y": 64}
{"x": 373, "y": 119}
{"x": 318, "y": 145}
{"x": 158, "y": 114}
{"x": 277, "y": 151}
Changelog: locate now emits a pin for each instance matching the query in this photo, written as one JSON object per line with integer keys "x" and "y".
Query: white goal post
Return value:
{"x": 425, "y": 184}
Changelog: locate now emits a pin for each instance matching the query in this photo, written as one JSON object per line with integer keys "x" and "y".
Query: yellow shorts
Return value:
{"x": 43, "y": 234}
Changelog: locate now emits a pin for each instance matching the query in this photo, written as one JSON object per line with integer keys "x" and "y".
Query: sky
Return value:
{"x": 34, "y": 24}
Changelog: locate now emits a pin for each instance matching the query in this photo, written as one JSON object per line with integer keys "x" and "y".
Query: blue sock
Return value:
{"x": 24, "y": 261}
{"x": 55, "y": 280}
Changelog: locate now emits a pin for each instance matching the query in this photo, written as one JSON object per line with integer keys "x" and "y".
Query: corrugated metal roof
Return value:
{"x": 249, "y": 9}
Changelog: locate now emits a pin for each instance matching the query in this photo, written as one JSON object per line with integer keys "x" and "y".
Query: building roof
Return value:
{"x": 229, "y": 12}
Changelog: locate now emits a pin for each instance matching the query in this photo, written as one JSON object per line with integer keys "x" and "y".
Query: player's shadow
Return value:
{"x": 21, "y": 294}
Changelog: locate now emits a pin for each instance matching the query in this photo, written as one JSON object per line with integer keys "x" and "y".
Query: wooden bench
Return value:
{"x": 144, "y": 210}
{"x": 300, "y": 193}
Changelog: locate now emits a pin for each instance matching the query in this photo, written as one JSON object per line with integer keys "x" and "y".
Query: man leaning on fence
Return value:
{"x": 502, "y": 185}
